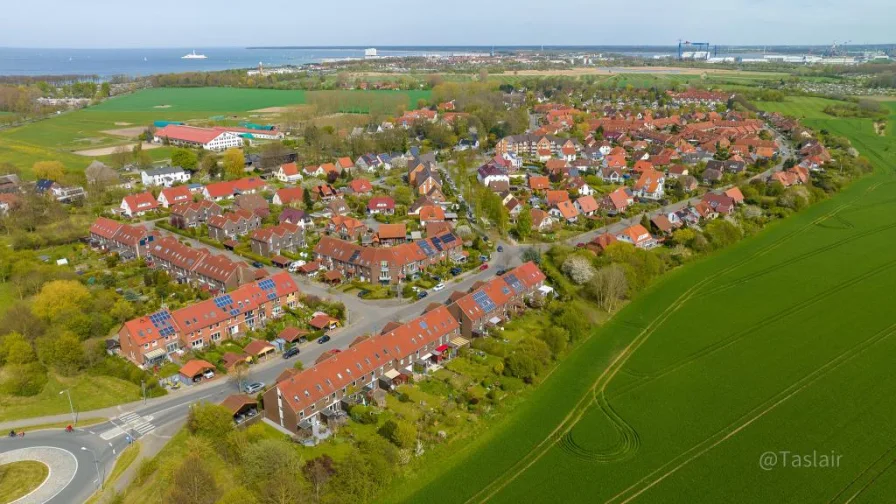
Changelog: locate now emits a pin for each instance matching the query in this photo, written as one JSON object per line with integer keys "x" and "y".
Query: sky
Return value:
{"x": 230, "y": 23}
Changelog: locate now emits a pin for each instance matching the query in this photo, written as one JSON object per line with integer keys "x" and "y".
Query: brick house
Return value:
{"x": 271, "y": 240}
{"x": 231, "y": 225}
{"x": 190, "y": 215}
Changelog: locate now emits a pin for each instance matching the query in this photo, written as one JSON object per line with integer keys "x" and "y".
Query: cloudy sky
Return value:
{"x": 220, "y": 23}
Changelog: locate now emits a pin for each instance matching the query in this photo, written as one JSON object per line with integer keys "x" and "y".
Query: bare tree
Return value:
{"x": 608, "y": 287}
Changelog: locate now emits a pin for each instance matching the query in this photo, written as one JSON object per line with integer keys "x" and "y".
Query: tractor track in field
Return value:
{"x": 600, "y": 384}
{"x": 805, "y": 255}
{"x": 732, "y": 429}
{"x": 739, "y": 335}
{"x": 868, "y": 471}
{"x": 629, "y": 443}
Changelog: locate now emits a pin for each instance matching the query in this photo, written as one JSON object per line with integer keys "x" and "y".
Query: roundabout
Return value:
{"x": 44, "y": 471}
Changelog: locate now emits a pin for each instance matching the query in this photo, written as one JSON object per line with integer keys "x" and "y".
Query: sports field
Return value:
{"x": 783, "y": 343}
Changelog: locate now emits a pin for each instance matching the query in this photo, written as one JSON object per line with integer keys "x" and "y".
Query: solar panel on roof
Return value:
{"x": 272, "y": 295}
{"x": 484, "y": 302}
{"x": 424, "y": 246}
{"x": 234, "y": 311}
{"x": 223, "y": 301}
{"x": 267, "y": 284}
{"x": 354, "y": 256}
{"x": 423, "y": 325}
{"x": 438, "y": 243}
{"x": 448, "y": 238}
{"x": 514, "y": 282}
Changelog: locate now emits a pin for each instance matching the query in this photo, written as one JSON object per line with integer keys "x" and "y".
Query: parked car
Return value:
{"x": 323, "y": 339}
{"x": 483, "y": 267}
{"x": 580, "y": 245}
{"x": 438, "y": 287}
{"x": 500, "y": 248}
{"x": 456, "y": 271}
{"x": 292, "y": 352}
{"x": 501, "y": 271}
{"x": 208, "y": 374}
{"x": 363, "y": 293}
{"x": 253, "y": 388}
{"x": 257, "y": 264}
{"x": 485, "y": 238}
{"x": 422, "y": 294}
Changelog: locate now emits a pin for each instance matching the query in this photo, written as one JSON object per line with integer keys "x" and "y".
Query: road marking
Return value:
{"x": 111, "y": 433}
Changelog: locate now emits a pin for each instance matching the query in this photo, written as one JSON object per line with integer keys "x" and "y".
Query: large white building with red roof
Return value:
{"x": 150, "y": 340}
{"x": 203, "y": 138}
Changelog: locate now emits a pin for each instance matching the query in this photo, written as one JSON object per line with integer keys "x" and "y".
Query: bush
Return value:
{"x": 363, "y": 414}
{"x": 25, "y": 380}
{"x": 147, "y": 468}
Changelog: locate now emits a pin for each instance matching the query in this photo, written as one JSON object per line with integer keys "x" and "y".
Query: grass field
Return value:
{"x": 58, "y": 137}
{"x": 781, "y": 343}
{"x": 20, "y": 478}
{"x": 88, "y": 393}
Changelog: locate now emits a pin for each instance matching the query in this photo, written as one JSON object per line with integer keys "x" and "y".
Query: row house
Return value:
{"x": 295, "y": 216}
{"x": 530, "y": 145}
{"x": 231, "y": 225}
{"x": 303, "y": 400}
{"x": 219, "y": 273}
{"x": 150, "y": 340}
{"x": 214, "y": 273}
{"x": 270, "y": 241}
{"x": 129, "y": 242}
{"x": 190, "y": 215}
{"x": 387, "y": 265}
{"x": 219, "y": 191}
{"x": 497, "y": 299}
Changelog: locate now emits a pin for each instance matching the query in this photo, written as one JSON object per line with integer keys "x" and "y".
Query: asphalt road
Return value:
{"x": 140, "y": 419}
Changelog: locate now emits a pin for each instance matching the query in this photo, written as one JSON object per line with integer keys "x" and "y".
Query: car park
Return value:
{"x": 254, "y": 388}
{"x": 292, "y": 352}
{"x": 323, "y": 339}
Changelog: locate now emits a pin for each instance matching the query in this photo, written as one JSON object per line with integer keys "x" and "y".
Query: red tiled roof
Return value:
{"x": 141, "y": 202}
{"x": 195, "y": 367}
{"x": 288, "y": 195}
{"x": 188, "y": 133}
{"x": 339, "y": 370}
{"x": 176, "y": 194}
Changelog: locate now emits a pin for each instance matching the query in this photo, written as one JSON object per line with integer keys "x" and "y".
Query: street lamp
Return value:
{"x": 70, "y": 405}
{"x": 96, "y": 463}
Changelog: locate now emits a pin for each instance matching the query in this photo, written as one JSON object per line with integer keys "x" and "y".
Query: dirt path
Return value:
{"x": 105, "y": 151}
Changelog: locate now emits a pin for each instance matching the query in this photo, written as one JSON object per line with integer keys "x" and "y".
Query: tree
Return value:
{"x": 209, "y": 165}
{"x": 401, "y": 433}
{"x": 212, "y": 421}
{"x": 185, "y": 158}
{"x": 63, "y": 352}
{"x": 578, "y": 269}
{"x": 307, "y": 200}
{"x": 122, "y": 310}
{"x": 318, "y": 472}
{"x": 722, "y": 233}
{"x": 531, "y": 254}
{"x": 523, "y": 226}
{"x": 608, "y": 287}
{"x": 234, "y": 163}
{"x": 50, "y": 170}
{"x": 283, "y": 486}
{"x": 120, "y": 157}
{"x": 15, "y": 349}
{"x": 193, "y": 483}
{"x": 402, "y": 196}
{"x": 60, "y": 298}
{"x": 556, "y": 339}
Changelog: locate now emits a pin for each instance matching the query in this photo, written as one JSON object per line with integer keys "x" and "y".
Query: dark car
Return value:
{"x": 485, "y": 238}
{"x": 501, "y": 271}
{"x": 456, "y": 271}
{"x": 437, "y": 278}
{"x": 500, "y": 248}
{"x": 257, "y": 264}
{"x": 323, "y": 339}
{"x": 292, "y": 352}
{"x": 422, "y": 294}
{"x": 363, "y": 293}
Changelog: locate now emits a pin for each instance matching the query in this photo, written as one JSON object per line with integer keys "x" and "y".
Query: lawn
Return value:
{"x": 211, "y": 100}
{"x": 20, "y": 478}
{"x": 88, "y": 393}
{"x": 781, "y": 343}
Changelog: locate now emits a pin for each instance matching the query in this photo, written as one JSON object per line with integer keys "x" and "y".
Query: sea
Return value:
{"x": 107, "y": 63}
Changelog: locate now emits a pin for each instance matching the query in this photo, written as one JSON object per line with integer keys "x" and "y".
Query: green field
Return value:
{"x": 781, "y": 343}
{"x": 58, "y": 137}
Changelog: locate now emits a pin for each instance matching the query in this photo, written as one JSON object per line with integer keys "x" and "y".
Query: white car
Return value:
{"x": 208, "y": 374}
{"x": 254, "y": 387}
{"x": 438, "y": 287}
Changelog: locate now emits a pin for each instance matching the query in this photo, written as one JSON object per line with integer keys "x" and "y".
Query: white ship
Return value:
{"x": 193, "y": 55}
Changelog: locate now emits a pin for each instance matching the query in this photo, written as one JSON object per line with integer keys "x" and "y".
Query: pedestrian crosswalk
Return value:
{"x": 131, "y": 423}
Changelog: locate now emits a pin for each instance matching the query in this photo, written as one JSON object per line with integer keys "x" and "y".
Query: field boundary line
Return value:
{"x": 610, "y": 371}
{"x": 787, "y": 393}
